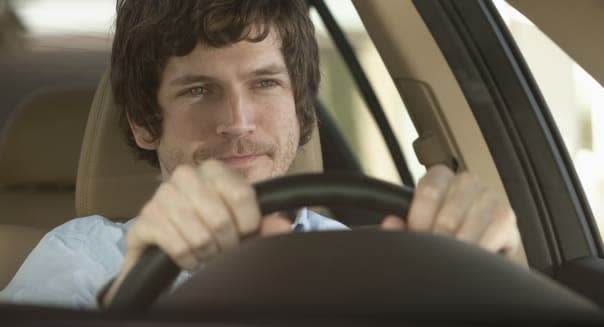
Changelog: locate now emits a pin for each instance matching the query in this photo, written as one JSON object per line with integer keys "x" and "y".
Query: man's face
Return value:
{"x": 234, "y": 104}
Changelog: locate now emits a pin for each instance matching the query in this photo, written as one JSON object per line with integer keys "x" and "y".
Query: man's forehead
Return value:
{"x": 243, "y": 58}
{"x": 268, "y": 36}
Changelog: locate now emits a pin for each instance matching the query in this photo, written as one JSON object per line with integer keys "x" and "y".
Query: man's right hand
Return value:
{"x": 197, "y": 213}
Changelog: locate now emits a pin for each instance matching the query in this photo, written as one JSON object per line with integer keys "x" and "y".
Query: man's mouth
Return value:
{"x": 241, "y": 160}
{"x": 239, "y": 154}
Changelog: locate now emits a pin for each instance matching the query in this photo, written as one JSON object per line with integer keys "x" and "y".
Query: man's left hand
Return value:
{"x": 460, "y": 206}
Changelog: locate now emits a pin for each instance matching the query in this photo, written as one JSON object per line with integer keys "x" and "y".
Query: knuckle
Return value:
{"x": 442, "y": 171}
{"x": 249, "y": 224}
{"x": 440, "y": 168}
{"x": 428, "y": 192}
{"x": 177, "y": 250}
{"x": 201, "y": 241}
{"x": 414, "y": 225}
{"x": 467, "y": 179}
{"x": 243, "y": 194}
{"x": 207, "y": 250}
{"x": 507, "y": 216}
{"x": 446, "y": 225}
{"x": 424, "y": 181}
{"x": 221, "y": 226}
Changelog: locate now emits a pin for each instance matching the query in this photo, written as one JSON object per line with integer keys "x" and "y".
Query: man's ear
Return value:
{"x": 142, "y": 136}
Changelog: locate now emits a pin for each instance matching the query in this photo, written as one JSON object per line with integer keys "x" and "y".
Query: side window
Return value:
{"x": 574, "y": 98}
{"x": 341, "y": 97}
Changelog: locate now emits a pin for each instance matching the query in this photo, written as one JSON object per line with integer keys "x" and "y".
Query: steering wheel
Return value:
{"x": 360, "y": 273}
{"x": 155, "y": 270}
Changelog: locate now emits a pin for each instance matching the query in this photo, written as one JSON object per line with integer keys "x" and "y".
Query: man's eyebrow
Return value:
{"x": 187, "y": 79}
{"x": 191, "y": 79}
{"x": 272, "y": 69}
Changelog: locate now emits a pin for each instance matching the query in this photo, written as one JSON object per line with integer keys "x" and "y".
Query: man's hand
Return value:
{"x": 460, "y": 207}
{"x": 197, "y": 213}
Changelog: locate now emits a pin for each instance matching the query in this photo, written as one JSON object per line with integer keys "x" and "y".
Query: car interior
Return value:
{"x": 38, "y": 185}
{"x": 62, "y": 156}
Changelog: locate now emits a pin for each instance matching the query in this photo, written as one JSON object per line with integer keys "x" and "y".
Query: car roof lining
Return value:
{"x": 575, "y": 26}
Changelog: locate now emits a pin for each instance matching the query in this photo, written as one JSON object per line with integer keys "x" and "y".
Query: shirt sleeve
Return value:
{"x": 310, "y": 221}
{"x": 69, "y": 265}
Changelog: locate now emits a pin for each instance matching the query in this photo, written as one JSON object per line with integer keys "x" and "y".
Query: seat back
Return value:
{"x": 112, "y": 183}
{"x": 39, "y": 151}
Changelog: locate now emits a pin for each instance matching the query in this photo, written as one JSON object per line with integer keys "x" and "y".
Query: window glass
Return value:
{"x": 90, "y": 17}
{"x": 574, "y": 98}
{"x": 340, "y": 95}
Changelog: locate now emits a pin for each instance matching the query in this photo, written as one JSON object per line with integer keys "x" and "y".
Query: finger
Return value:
{"x": 480, "y": 215}
{"x": 461, "y": 195}
{"x": 502, "y": 234}
{"x": 393, "y": 223}
{"x": 236, "y": 192}
{"x": 152, "y": 228}
{"x": 274, "y": 225}
{"x": 429, "y": 194}
{"x": 208, "y": 214}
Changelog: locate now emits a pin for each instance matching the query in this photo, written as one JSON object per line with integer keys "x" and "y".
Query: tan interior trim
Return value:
{"x": 40, "y": 144}
{"x": 575, "y": 26}
{"x": 415, "y": 62}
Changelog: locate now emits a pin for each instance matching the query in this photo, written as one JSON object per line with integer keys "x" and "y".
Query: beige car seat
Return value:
{"x": 39, "y": 152}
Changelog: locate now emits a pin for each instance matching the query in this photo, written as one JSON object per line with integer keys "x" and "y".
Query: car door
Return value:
{"x": 559, "y": 233}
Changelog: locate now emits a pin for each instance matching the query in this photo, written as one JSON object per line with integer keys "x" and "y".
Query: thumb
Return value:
{"x": 274, "y": 225}
{"x": 392, "y": 222}
{"x": 129, "y": 261}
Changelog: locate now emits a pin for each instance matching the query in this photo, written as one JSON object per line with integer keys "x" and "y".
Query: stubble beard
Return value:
{"x": 281, "y": 157}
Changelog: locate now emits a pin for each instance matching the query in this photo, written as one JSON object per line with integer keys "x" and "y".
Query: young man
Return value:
{"x": 218, "y": 95}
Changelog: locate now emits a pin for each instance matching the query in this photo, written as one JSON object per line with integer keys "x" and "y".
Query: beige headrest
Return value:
{"x": 112, "y": 183}
{"x": 41, "y": 142}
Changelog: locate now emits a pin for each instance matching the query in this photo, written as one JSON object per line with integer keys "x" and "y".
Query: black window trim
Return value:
{"x": 365, "y": 89}
{"x": 554, "y": 216}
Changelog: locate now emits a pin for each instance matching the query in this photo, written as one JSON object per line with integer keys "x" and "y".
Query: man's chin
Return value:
{"x": 254, "y": 175}
{"x": 253, "y": 171}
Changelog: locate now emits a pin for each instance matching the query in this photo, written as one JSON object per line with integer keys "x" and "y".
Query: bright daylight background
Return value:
{"x": 576, "y": 100}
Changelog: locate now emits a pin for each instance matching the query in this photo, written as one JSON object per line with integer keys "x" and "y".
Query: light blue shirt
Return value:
{"x": 75, "y": 260}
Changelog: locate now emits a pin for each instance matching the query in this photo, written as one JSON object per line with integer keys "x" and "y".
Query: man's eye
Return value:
{"x": 267, "y": 83}
{"x": 198, "y": 90}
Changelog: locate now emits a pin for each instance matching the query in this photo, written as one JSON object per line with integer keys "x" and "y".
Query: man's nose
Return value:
{"x": 239, "y": 118}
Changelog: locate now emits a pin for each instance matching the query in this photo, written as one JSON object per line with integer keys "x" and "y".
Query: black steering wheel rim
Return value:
{"x": 155, "y": 270}
{"x": 408, "y": 276}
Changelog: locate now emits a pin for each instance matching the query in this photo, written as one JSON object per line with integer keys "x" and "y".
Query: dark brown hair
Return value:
{"x": 148, "y": 32}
